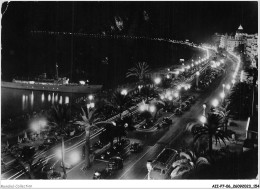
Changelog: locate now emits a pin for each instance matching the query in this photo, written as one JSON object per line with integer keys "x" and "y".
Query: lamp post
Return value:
{"x": 157, "y": 80}
{"x": 62, "y": 158}
{"x": 228, "y": 87}
{"x": 149, "y": 169}
{"x": 222, "y": 96}
{"x": 197, "y": 79}
{"x": 223, "y": 85}
{"x": 233, "y": 82}
{"x": 215, "y": 103}
{"x": 204, "y": 109}
{"x": 203, "y": 120}
{"x": 139, "y": 87}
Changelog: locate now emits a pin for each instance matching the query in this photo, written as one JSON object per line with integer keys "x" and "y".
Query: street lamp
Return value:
{"x": 215, "y": 102}
{"x": 223, "y": 85}
{"x": 124, "y": 92}
{"x": 203, "y": 119}
{"x": 152, "y": 108}
{"x": 157, "y": 80}
{"x": 168, "y": 76}
{"x": 222, "y": 95}
{"x": 227, "y": 86}
{"x": 139, "y": 87}
{"x": 90, "y": 97}
{"x": 149, "y": 169}
{"x": 204, "y": 109}
{"x": 197, "y": 78}
{"x": 176, "y": 95}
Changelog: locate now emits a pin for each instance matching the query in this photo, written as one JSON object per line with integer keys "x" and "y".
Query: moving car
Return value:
{"x": 135, "y": 147}
{"x": 115, "y": 163}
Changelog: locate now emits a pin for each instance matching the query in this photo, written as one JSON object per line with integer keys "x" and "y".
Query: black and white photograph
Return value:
{"x": 129, "y": 91}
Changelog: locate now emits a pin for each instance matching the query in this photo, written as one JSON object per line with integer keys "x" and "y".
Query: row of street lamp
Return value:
{"x": 226, "y": 88}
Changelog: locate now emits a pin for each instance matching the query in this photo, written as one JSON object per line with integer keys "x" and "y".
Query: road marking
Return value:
{"x": 14, "y": 175}
{"x": 136, "y": 162}
{"x": 19, "y": 176}
{"x": 75, "y": 166}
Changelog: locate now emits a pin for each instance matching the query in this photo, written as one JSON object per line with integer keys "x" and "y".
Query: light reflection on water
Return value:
{"x": 16, "y": 102}
{"x": 53, "y": 99}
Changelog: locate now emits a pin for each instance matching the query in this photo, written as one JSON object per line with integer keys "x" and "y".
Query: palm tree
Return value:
{"x": 212, "y": 128}
{"x": 139, "y": 71}
{"x": 61, "y": 115}
{"x": 159, "y": 106}
{"x": 147, "y": 92}
{"x": 187, "y": 164}
{"x": 223, "y": 112}
{"x": 120, "y": 102}
{"x": 89, "y": 120}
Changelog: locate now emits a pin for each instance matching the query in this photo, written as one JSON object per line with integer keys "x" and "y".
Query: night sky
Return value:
{"x": 196, "y": 21}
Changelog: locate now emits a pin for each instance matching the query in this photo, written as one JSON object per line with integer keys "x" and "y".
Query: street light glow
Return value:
{"x": 152, "y": 108}
{"x": 142, "y": 107}
{"x": 157, "y": 80}
{"x": 215, "y": 102}
{"x": 227, "y": 86}
{"x": 197, "y": 73}
{"x": 124, "y": 92}
{"x": 167, "y": 76}
{"x": 203, "y": 119}
{"x": 90, "y": 97}
{"x": 222, "y": 95}
{"x": 74, "y": 157}
{"x": 92, "y": 105}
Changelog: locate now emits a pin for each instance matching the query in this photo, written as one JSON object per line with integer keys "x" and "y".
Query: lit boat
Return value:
{"x": 57, "y": 87}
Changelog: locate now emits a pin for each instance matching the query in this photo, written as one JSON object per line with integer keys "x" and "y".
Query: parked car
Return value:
{"x": 191, "y": 99}
{"x": 98, "y": 145}
{"x": 115, "y": 163}
{"x": 178, "y": 111}
{"x": 184, "y": 107}
{"x": 187, "y": 103}
{"x": 104, "y": 174}
{"x": 167, "y": 120}
{"x": 135, "y": 147}
{"x": 106, "y": 155}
